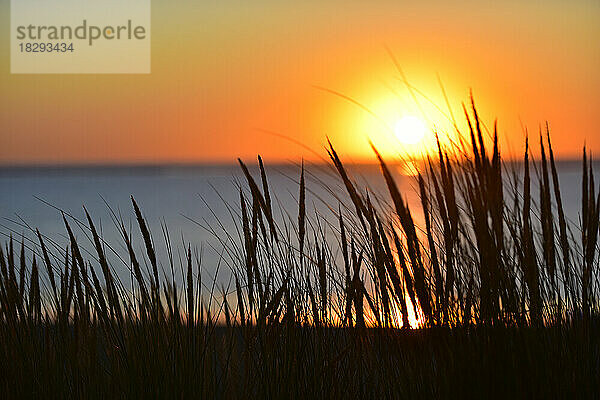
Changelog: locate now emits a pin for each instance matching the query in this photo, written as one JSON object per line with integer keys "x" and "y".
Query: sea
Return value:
{"x": 196, "y": 205}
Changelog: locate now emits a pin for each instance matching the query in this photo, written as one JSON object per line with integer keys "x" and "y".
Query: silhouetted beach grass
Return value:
{"x": 494, "y": 293}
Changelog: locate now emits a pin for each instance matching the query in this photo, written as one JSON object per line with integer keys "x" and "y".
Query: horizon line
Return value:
{"x": 213, "y": 164}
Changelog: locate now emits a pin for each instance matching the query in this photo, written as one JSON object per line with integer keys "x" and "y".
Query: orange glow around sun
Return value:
{"x": 396, "y": 124}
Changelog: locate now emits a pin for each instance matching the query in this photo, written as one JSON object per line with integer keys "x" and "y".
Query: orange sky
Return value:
{"x": 222, "y": 73}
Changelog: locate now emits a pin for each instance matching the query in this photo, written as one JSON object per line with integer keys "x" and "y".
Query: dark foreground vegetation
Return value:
{"x": 501, "y": 286}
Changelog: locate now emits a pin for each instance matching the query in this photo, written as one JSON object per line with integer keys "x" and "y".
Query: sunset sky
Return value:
{"x": 225, "y": 74}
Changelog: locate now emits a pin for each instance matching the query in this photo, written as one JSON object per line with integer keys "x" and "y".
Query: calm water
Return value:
{"x": 179, "y": 197}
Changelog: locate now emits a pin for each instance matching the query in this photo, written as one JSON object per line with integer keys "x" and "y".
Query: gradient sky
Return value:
{"x": 224, "y": 73}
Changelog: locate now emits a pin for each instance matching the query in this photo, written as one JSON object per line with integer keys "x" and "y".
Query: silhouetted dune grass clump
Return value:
{"x": 502, "y": 288}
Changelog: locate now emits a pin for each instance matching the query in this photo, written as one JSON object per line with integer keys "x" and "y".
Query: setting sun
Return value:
{"x": 410, "y": 130}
